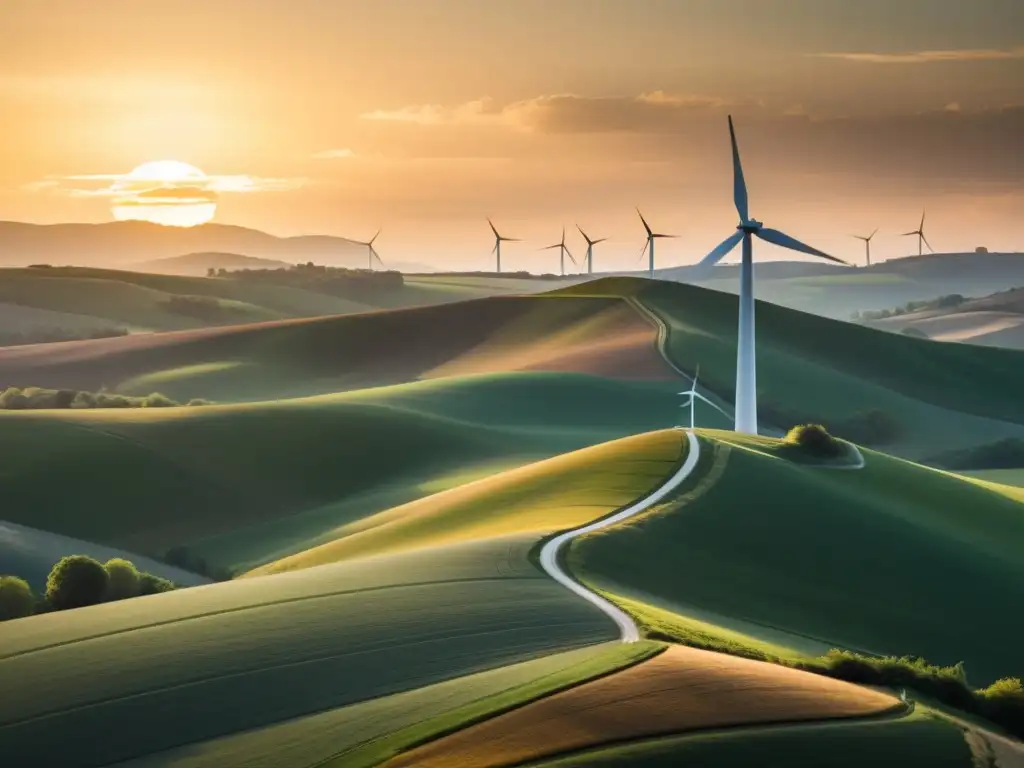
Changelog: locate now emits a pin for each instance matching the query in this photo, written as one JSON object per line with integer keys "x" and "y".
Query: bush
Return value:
{"x": 815, "y": 440}
{"x": 18, "y": 398}
{"x": 122, "y": 579}
{"x": 76, "y": 581}
{"x": 153, "y": 585}
{"x": 16, "y": 598}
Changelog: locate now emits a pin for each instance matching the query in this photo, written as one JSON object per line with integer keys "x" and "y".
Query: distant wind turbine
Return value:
{"x": 563, "y": 249}
{"x": 867, "y": 244}
{"x": 693, "y": 395}
{"x": 590, "y": 249}
{"x": 498, "y": 240}
{"x": 921, "y": 239}
{"x": 651, "y": 237}
{"x": 371, "y": 251}
{"x": 746, "y": 367}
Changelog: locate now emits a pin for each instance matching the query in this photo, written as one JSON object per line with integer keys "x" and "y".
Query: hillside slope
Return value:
{"x": 894, "y": 559}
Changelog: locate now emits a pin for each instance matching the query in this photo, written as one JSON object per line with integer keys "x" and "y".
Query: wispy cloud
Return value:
{"x": 121, "y": 185}
{"x": 334, "y": 154}
{"x": 561, "y": 113}
{"x": 928, "y": 57}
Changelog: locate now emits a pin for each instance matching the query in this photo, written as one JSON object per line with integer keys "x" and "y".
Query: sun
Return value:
{"x": 166, "y": 192}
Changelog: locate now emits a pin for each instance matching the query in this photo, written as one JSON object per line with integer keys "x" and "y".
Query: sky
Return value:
{"x": 424, "y": 117}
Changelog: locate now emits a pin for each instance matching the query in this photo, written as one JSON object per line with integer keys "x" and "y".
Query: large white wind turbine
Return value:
{"x": 590, "y": 248}
{"x": 498, "y": 240}
{"x": 692, "y": 395}
{"x": 867, "y": 244}
{"x": 372, "y": 252}
{"x": 651, "y": 237}
{"x": 746, "y": 370}
{"x": 921, "y": 239}
{"x": 563, "y": 249}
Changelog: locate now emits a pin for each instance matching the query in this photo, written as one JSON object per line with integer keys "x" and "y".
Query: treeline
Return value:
{"x": 76, "y": 581}
{"x": 333, "y": 281}
{"x": 38, "y": 398}
{"x": 942, "y": 302}
{"x": 1007, "y": 453}
{"x": 50, "y": 335}
{"x": 522, "y": 275}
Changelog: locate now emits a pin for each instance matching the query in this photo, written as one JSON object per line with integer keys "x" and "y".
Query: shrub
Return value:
{"x": 17, "y": 398}
{"x": 122, "y": 579}
{"x": 153, "y": 585}
{"x": 76, "y": 581}
{"x": 16, "y": 598}
{"x": 815, "y": 440}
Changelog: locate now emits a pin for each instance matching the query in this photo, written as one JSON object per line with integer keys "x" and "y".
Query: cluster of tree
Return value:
{"x": 205, "y": 308}
{"x": 815, "y": 440}
{"x": 182, "y": 557}
{"x": 49, "y": 335}
{"x": 76, "y": 581}
{"x": 872, "y": 428}
{"x": 1007, "y": 453}
{"x": 942, "y": 302}
{"x": 517, "y": 275}
{"x": 333, "y": 281}
{"x": 37, "y": 398}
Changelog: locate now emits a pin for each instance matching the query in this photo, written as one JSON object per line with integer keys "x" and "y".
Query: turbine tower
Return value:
{"x": 867, "y": 244}
{"x": 746, "y": 230}
{"x": 651, "y": 236}
{"x": 563, "y": 250}
{"x": 371, "y": 252}
{"x": 498, "y": 240}
{"x": 921, "y": 239}
{"x": 692, "y": 395}
{"x": 590, "y": 249}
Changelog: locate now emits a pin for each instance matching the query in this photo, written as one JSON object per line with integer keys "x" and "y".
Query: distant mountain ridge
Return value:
{"x": 120, "y": 243}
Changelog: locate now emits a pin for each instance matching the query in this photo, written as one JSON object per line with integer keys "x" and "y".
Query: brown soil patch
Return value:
{"x": 682, "y": 689}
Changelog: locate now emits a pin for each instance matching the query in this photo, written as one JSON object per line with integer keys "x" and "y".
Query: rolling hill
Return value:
{"x": 197, "y": 264}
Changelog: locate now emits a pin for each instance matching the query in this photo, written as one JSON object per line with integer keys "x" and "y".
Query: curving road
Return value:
{"x": 629, "y": 632}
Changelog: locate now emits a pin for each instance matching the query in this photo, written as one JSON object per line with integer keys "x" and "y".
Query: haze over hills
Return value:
{"x": 198, "y": 264}
{"x": 119, "y": 243}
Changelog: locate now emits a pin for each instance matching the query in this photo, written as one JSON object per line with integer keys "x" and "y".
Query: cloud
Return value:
{"x": 123, "y": 186}
{"x": 170, "y": 196}
{"x": 928, "y": 57}
{"x": 335, "y": 154}
{"x": 563, "y": 113}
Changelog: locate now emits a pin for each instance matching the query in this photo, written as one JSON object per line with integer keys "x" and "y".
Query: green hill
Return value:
{"x": 236, "y": 656}
{"x": 893, "y": 559}
{"x": 248, "y": 483}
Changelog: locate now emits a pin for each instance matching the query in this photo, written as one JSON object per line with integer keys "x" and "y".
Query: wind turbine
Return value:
{"x": 921, "y": 239}
{"x": 746, "y": 368}
{"x": 372, "y": 252}
{"x": 867, "y": 244}
{"x": 563, "y": 249}
{"x": 651, "y": 236}
{"x": 693, "y": 395}
{"x": 590, "y": 249}
{"x": 498, "y": 240}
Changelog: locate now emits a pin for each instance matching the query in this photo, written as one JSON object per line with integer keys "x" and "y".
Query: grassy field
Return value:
{"x": 319, "y": 639}
{"x": 560, "y": 493}
{"x": 1014, "y": 477}
{"x": 30, "y": 554}
{"x": 244, "y": 484}
{"x": 682, "y": 689}
{"x": 322, "y": 355}
{"x": 884, "y": 744}
{"x": 813, "y": 368}
{"x": 874, "y": 559}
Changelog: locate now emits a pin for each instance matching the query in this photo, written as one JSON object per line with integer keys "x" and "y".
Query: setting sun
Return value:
{"x": 165, "y": 192}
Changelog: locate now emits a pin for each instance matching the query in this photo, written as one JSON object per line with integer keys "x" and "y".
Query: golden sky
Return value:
{"x": 425, "y": 116}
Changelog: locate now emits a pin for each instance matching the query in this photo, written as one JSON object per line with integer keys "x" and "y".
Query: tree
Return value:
{"x": 76, "y": 581}
{"x": 211, "y": 272}
{"x": 122, "y": 579}
{"x": 152, "y": 585}
{"x": 16, "y": 598}
{"x": 815, "y": 440}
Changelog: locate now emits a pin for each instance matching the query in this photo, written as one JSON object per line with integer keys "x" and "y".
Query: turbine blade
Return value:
{"x": 563, "y": 234}
{"x": 571, "y": 257}
{"x": 583, "y": 233}
{"x": 921, "y": 226}
{"x": 718, "y": 408}
{"x": 776, "y": 237}
{"x": 873, "y": 233}
{"x": 379, "y": 259}
{"x": 640, "y": 254}
{"x": 549, "y": 247}
{"x": 642, "y": 219}
{"x": 696, "y": 374}
{"x": 495, "y": 231}
{"x": 599, "y": 240}
{"x": 927, "y": 243}
{"x": 512, "y": 239}
{"x": 655, "y": 234}
{"x": 372, "y": 239}
{"x": 908, "y": 234}
{"x": 495, "y": 248}
{"x": 739, "y": 184}
{"x": 722, "y": 249}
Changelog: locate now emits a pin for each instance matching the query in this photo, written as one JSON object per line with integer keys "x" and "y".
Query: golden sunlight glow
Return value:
{"x": 165, "y": 192}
